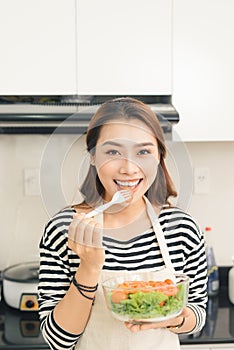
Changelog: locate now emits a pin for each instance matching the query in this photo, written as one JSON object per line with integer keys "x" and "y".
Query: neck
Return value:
{"x": 125, "y": 215}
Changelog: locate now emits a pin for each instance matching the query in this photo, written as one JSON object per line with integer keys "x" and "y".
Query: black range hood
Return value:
{"x": 69, "y": 114}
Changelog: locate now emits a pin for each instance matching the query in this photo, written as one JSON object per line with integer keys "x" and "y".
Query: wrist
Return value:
{"x": 92, "y": 270}
{"x": 88, "y": 275}
{"x": 177, "y": 326}
{"x": 87, "y": 292}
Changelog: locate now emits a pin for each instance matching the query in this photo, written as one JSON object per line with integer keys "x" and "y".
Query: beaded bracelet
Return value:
{"x": 82, "y": 288}
{"x": 178, "y": 326}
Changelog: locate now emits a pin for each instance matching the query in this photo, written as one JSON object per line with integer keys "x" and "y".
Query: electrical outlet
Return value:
{"x": 201, "y": 180}
{"x": 31, "y": 182}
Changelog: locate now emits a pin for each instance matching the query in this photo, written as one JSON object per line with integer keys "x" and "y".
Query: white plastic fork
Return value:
{"x": 118, "y": 198}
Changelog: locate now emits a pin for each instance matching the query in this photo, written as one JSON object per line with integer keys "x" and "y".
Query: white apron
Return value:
{"x": 103, "y": 332}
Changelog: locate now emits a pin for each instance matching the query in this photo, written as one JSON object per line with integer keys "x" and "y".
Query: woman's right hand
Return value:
{"x": 85, "y": 239}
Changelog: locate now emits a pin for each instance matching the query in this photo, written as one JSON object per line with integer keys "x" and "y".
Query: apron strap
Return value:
{"x": 157, "y": 230}
{"x": 159, "y": 234}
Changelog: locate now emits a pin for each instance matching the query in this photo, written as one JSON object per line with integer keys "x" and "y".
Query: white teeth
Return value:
{"x": 127, "y": 183}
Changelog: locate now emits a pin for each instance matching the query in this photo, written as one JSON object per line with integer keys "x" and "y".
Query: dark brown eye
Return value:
{"x": 144, "y": 151}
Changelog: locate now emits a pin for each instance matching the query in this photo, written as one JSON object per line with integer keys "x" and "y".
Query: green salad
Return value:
{"x": 147, "y": 304}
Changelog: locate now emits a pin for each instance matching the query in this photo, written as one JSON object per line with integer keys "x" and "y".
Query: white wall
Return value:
{"x": 60, "y": 160}
{"x": 23, "y": 216}
{"x": 216, "y": 208}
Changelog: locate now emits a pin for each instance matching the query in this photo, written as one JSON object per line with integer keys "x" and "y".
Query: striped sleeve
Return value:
{"x": 56, "y": 337}
{"x": 187, "y": 250}
{"x": 196, "y": 269}
{"x": 54, "y": 280}
{"x": 200, "y": 314}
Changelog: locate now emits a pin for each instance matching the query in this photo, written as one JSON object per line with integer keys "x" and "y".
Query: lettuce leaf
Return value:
{"x": 145, "y": 305}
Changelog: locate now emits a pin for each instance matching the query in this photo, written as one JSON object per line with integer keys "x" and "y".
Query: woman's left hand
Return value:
{"x": 173, "y": 322}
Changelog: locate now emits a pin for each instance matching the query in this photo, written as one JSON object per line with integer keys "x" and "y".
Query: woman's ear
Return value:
{"x": 92, "y": 160}
{"x": 159, "y": 157}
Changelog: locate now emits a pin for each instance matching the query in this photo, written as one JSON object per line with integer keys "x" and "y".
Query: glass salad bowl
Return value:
{"x": 145, "y": 297}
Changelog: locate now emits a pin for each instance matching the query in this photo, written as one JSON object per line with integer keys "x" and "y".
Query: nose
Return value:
{"x": 128, "y": 166}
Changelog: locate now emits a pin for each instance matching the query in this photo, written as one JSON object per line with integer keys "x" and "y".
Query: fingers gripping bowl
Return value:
{"x": 144, "y": 298}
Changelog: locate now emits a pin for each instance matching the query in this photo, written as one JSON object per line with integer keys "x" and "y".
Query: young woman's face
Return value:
{"x": 126, "y": 157}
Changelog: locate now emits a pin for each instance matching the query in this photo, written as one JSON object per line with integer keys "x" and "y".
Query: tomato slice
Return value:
{"x": 166, "y": 287}
{"x": 169, "y": 290}
{"x": 118, "y": 295}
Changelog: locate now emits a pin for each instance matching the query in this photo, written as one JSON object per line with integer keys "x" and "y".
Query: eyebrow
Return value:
{"x": 117, "y": 144}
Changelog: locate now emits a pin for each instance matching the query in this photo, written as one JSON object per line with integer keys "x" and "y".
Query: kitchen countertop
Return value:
{"x": 219, "y": 327}
{"x": 20, "y": 329}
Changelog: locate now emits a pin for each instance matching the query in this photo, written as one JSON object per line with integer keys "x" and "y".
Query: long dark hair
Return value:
{"x": 127, "y": 109}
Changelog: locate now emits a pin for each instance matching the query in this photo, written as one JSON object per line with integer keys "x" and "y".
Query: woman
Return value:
{"x": 127, "y": 151}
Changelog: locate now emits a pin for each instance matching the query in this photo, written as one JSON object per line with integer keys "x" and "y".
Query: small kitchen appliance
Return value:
{"x": 20, "y": 286}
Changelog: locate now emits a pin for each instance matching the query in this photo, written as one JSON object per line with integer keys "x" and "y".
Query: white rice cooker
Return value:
{"x": 20, "y": 284}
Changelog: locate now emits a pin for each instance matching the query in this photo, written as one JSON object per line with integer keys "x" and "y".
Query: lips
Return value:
{"x": 130, "y": 184}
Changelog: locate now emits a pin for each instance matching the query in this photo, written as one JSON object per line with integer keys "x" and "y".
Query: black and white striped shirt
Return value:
{"x": 58, "y": 264}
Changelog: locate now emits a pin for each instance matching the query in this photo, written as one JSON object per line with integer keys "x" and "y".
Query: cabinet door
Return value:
{"x": 38, "y": 40}
{"x": 124, "y": 47}
{"x": 194, "y": 347}
{"x": 203, "y": 69}
{"x": 231, "y": 347}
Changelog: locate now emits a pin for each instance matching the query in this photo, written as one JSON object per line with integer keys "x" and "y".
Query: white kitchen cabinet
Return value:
{"x": 203, "y": 69}
{"x": 208, "y": 347}
{"x": 227, "y": 347}
{"x": 124, "y": 47}
{"x": 38, "y": 47}
{"x": 193, "y": 347}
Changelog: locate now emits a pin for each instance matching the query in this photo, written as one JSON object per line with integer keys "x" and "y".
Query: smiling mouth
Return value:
{"x": 132, "y": 185}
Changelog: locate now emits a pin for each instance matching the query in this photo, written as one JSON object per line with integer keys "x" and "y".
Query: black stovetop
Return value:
{"x": 219, "y": 327}
{"x": 20, "y": 329}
